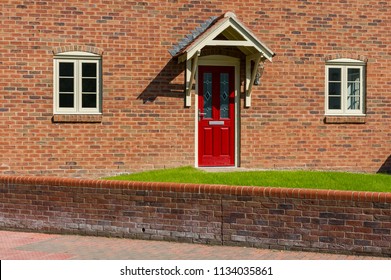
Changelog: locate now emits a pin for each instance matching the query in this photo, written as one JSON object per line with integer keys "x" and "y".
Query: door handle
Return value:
{"x": 200, "y": 114}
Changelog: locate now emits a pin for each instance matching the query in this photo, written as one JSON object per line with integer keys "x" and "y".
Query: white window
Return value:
{"x": 345, "y": 87}
{"x": 77, "y": 83}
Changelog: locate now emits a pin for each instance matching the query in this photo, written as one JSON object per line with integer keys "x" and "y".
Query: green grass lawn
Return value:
{"x": 288, "y": 179}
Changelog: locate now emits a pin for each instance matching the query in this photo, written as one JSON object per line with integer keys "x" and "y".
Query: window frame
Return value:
{"x": 77, "y": 58}
{"x": 344, "y": 65}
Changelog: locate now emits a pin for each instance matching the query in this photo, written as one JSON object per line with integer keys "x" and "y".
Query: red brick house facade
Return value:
{"x": 94, "y": 88}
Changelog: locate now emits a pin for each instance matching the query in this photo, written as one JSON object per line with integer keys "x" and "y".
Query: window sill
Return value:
{"x": 345, "y": 119}
{"x": 87, "y": 118}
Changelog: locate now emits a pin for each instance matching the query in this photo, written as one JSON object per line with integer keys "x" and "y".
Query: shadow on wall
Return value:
{"x": 164, "y": 83}
{"x": 386, "y": 166}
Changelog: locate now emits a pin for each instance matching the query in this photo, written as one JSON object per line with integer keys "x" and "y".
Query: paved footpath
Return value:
{"x": 39, "y": 246}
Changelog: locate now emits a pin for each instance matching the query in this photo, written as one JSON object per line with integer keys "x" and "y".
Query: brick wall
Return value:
{"x": 287, "y": 115}
{"x": 294, "y": 219}
{"x": 144, "y": 123}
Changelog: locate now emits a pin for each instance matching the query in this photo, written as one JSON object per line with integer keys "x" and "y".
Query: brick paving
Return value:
{"x": 39, "y": 246}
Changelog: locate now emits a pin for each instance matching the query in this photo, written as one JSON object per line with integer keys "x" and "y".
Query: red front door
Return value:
{"x": 216, "y": 116}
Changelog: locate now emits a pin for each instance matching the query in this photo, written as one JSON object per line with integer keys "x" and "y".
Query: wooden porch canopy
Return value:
{"x": 222, "y": 31}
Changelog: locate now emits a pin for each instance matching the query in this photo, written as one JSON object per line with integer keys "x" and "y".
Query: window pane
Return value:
{"x": 89, "y": 85}
{"x": 353, "y": 102}
{"x": 353, "y": 75}
{"x": 353, "y": 96}
{"x": 353, "y": 88}
{"x": 334, "y": 103}
{"x": 208, "y": 95}
{"x": 334, "y": 74}
{"x": 89, "y": 70}
{"x": 89, "y": 100}
{"x": 66, "y": 69}
{"x": 224, "y": 95}
{"x": 66, "y": 101}
{"x": 334, "y": 88}
{"x": 66, "y": 85}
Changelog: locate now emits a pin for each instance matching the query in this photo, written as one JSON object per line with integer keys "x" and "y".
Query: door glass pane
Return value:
{"x": 66, "y": 100}
{"x": 224, "y": 95}
{"x": 88, "y": 100}
{"x": 208, "y": 95}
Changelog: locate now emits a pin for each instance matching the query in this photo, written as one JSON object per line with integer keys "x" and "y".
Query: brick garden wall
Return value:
{"x": 294, "y": 219}
{"x": 144, "y": 123}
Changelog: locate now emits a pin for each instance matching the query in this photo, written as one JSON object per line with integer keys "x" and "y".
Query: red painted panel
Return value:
{"x": 216, "y": 142}
{"x": 216, "y": 124}
{"x": 225, "y": 141}
{"x": 208, "y": 140}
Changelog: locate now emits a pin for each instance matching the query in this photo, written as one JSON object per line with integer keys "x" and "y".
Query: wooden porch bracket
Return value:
{"x": 251, "y": 74}
{"x": 191, "y": 69}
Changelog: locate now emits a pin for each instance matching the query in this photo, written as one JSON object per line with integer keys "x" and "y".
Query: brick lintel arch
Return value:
{"x": 346, "y": 55}
{"x": 81, "y": 48}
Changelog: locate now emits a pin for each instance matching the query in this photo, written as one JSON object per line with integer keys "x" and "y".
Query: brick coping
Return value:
{"x": 360, "y": 196}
